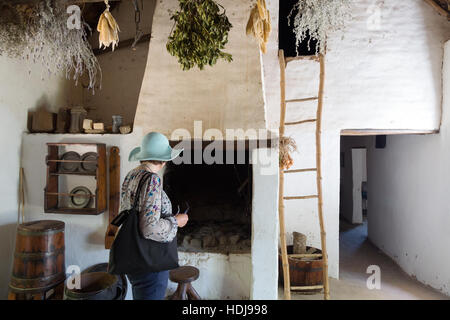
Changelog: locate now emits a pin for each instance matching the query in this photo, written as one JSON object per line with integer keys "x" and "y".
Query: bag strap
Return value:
{"x": 137, "y": 195}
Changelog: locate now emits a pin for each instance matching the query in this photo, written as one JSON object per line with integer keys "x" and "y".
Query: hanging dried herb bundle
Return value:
{"x": 318, "y": 18}
{"x": 40, "y": 33}
{"x": 200, "y": 33}
{"x": 287, "y": 146}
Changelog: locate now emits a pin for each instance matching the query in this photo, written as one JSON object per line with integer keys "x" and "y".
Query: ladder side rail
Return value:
{"x": 284, "y": 257}
{"x": 326, "y": 288}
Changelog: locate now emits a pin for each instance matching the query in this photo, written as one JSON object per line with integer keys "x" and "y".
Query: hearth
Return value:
{"x": 220, "y": 201}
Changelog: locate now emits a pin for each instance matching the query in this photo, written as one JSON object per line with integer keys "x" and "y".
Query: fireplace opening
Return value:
{"x": 220, "y": 201}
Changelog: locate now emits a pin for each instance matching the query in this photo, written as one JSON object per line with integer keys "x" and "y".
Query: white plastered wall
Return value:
{"x": 409, "y": 211}
{"x": 23, "y": 87}
{"x": 385, "y": 78}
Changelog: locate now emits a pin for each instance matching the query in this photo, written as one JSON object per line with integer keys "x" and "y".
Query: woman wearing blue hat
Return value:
{"x": 142, "y": 255}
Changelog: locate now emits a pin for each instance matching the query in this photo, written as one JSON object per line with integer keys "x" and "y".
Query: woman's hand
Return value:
{"x": 182, "y": 219}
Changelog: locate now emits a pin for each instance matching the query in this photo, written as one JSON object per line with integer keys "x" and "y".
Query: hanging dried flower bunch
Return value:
{"x": 287, "y": 146}
{"x": 318, "y": 18}
{"x": 200, "y": 33}
{"x": 259, "y": 24}
{"x": 108, "y": 29}
{"x": 39, "y": 33}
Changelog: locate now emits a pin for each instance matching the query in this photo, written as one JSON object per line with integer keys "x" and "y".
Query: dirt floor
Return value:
{"x": 356, "y": 254}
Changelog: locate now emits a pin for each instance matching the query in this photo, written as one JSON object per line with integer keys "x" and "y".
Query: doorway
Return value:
{"x": 360, "y": 189}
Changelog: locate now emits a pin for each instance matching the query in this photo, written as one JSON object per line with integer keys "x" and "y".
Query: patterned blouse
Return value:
{"x": 156, "y": 221}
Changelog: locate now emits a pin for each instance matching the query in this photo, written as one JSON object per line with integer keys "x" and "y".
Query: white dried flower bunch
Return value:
{"x": 318, "y": 18}
{"x": 40, "y": 34}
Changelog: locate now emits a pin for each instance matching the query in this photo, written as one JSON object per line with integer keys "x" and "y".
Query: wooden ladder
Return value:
{"x": 317, "y": 169}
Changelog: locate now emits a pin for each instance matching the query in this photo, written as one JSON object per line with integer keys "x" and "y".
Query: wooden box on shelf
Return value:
{"x": 52, "y": 189}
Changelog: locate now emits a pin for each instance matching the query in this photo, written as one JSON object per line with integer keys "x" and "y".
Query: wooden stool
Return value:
{"x": 184, "y": 276}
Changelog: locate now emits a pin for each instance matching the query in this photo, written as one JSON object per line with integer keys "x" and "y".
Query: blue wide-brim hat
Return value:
{"x": 155, "y": 146}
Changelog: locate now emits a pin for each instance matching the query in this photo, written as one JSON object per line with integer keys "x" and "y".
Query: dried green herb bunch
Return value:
{"x": 200, "y": 33}
{"x": 40, "y": 33}
{"x": 318, "y": 18}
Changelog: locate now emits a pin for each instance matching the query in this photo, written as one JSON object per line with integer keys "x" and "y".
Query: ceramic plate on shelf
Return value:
{"x": 70, "y": 166}
{"x": 81, "y": 197}
{"x": 89, "y": 167}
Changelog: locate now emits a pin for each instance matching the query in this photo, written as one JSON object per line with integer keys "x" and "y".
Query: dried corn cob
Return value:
{"x": 108, "y": 29}
{"x": 259, "y": 24}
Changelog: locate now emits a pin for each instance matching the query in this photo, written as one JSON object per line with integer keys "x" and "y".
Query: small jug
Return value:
{"x": 116, "y": 123}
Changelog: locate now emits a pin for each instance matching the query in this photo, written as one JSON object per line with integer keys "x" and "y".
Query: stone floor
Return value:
{"x": 356, "y": 254}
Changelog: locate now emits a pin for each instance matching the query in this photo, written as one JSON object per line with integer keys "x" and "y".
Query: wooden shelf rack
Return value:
{"x": 52, "y": 192}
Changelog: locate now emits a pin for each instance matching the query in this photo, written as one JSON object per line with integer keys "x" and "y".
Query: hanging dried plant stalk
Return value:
{"x": 108, "y": 29}
{"x": 39, "y": 33}
{"x": 317, "y": 19}
{"x": 287, "y": 146}
{"x": 259, "y": 24}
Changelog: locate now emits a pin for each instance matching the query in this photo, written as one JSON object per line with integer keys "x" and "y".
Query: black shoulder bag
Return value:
{"x": 131, "y": 253}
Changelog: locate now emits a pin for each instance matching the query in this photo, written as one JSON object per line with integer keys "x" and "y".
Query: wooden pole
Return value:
{"x": 326, "y": 289}
{"x": 21, "y": 196}
{"x": 284, "y": 256}
{"x": 114, "y": 194}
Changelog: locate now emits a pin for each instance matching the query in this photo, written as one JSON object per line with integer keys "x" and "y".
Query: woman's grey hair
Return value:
{"x": 157, "y": 162}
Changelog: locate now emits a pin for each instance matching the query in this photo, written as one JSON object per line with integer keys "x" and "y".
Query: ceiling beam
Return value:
{"x": 438, "y": 8}
{"x": 90, "y": 1}
{"x": 14, "y": 2}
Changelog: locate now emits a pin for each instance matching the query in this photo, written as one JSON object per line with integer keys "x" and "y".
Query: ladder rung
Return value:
{"x": 307, "y": 287}
{"x": 300, "y": 170}
{"x": 289, "y": 59}
{"x": 305, "y": 255}
{"x": 300, "y": 122}
{"x": 301, "y": 100}
{"x": 301, "y": 197}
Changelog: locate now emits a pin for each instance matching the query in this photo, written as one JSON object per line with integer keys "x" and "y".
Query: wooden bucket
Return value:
{"x": 122, "y": 282}
{"x": 39, "y": 264}
{"x": 304, "y": 271}
{"x": 96, "y": 286}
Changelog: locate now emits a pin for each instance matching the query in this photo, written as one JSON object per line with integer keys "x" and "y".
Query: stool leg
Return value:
{"x": 180, "y": 293}
{"x": 191, "y": 293}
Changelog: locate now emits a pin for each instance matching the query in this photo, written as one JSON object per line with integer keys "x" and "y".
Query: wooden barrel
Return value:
{"x": 39, "y": 263}
{"x": 304, "y": 271}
